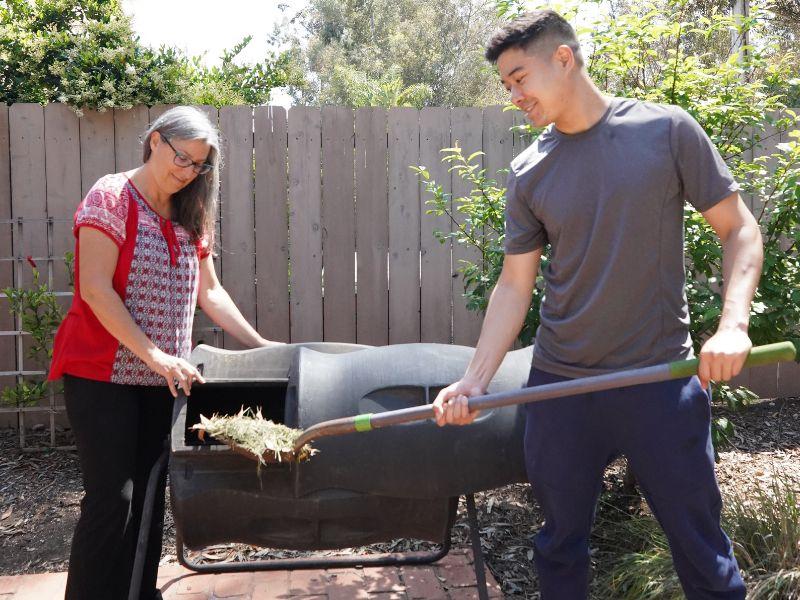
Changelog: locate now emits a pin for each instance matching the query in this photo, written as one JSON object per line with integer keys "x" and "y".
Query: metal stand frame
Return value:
{"x": 417, "y": 558}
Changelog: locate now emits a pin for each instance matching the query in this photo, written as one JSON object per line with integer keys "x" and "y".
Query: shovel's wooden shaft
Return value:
{"x": 762, "y": 355}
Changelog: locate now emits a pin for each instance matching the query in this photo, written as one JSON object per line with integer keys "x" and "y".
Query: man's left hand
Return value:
{"x": 722, "y": 356}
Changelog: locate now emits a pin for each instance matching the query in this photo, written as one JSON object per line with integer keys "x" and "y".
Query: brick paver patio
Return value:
{"x": 452, "y": 578}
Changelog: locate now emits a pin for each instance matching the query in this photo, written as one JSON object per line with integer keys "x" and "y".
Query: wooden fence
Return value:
{"x": 323, "y": 232}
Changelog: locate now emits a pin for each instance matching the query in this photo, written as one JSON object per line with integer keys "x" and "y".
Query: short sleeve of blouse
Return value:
{"x": 104, "y": 208}
{"x": 205, "y": 245}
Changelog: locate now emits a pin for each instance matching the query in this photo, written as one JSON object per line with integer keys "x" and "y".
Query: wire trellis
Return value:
{"x": 54, "y": 406}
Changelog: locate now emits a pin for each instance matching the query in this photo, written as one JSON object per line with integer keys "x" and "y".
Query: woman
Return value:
{"x": 143, "y": 261}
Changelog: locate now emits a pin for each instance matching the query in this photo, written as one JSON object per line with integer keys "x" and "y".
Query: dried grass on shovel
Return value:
{"x": 255, "y": 437}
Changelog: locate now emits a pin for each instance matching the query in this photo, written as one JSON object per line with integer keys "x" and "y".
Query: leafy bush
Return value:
{"x": 387, "y": 91}
{"x": 82, "y": 54}
{"x": 764, "y": 527}
{"x": 232, "y": 83}
{"x": 40, "y": 315}
{"x": 85, "y": 54}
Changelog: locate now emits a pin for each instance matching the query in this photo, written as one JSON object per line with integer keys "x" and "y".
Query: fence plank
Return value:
{"x": 28, "y": 185}
{"x": 770, "y": 137}
{"x": 338, "y": 225}
{"x": 466, "y": 126}
{"x": 498, "y": 141}
{"x": 28, "y": 193}
{"x": 788, "y": 373}
{"x": 237, "y": 247}
{"x": 521, "y": 140}
{"x": 789, "y": 380}
{"x": 96, "y": 147}
{"x": 8, "y": 357}
{"x": 764, "y": 381}
{"x": 741, "y": 380}
{"x": 159, "y": 109}
{"x": 372, "y": 227}
{"x": 204, "y": 329}
{"x": 200, "y": 329}
{"x": 129, "y": 125}
{"x": 272, "y": 225}
{"x": 404, "y": 290}
{"x": 498, "y": 137}
{"x": 435, "y": 269}
{"x": 305, "y": 235}
{"x": 62, "y": 155}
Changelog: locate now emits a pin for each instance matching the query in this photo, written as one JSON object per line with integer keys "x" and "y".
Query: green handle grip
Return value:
{"x": 759, "y": 356}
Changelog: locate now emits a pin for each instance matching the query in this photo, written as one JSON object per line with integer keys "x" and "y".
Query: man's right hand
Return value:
{"x": 451, "y": 404}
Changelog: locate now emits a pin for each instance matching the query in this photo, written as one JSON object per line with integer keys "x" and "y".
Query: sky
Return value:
{"x": 206, "y": 28}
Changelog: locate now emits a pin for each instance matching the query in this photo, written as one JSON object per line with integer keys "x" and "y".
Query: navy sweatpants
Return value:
{"x": 664, "y": 431}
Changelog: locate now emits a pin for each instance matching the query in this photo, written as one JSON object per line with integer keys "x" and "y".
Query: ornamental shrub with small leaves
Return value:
{"x": 666, "y": 51}
{"x": 84, "y": 53}
{"x": 40, "y": 315}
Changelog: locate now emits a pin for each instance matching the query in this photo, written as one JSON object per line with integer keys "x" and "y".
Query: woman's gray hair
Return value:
{"x": 196, "y": 204}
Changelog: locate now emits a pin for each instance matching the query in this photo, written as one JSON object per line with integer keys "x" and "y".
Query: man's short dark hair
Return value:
{"x": 531, "y": 29}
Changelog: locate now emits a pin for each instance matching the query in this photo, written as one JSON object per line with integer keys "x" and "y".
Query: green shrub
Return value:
{"x": 84, "y": 53}
{"x": 765, "y": 527}
{"x": 40, "y": 315}
{"x": 763, "y": 524}
{"x": 783, "y": 585}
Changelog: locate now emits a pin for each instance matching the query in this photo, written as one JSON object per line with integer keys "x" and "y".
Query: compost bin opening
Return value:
{"x": 228, "y": 398}
{"x": 393, "y": 398}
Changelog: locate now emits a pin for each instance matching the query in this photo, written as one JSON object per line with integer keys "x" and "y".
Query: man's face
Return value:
{"x": 536, "y": 82}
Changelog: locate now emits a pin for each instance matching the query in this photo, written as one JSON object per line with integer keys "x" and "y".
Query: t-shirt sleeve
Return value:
{"x": 705, "y": 178}
{"x": 524, "y": 232}
{"x": 103, "y": 209}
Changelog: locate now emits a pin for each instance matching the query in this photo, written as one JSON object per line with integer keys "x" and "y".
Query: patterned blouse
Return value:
{"x": 156, "y": 276}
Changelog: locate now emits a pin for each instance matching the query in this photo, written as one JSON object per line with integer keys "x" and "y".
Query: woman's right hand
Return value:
{"x": 177, "y": 372}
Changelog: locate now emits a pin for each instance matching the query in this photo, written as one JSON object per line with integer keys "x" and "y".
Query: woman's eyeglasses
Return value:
{"x": 184, "y": 161}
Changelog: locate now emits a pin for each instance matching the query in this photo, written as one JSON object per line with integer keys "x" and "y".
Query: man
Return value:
{"x": 605, "y": 186}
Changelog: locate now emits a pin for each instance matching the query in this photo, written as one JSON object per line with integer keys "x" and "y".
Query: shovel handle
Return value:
{"x": 761, "y": 355}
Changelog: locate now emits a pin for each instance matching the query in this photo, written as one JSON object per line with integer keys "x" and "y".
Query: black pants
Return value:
{"x": 119, "y": 431}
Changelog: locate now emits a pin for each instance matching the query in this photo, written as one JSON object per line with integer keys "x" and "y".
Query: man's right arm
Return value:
{"x": 505, "y": 314}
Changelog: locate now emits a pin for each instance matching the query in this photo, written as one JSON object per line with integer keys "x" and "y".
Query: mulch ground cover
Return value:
{"x": 40, "y": 496}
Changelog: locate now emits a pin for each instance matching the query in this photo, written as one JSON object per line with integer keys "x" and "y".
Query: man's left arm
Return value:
{"x": 723, "y": 354}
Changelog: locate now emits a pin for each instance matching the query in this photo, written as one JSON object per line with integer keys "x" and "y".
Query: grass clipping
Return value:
{"x": 251, "y": 435}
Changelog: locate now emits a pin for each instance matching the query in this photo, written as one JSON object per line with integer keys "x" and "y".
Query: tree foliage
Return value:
{"x": 372, "y": 52}
{"x": 84, "y": 53}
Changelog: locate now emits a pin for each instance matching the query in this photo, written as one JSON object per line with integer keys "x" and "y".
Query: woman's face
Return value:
{"x": 170, "y": 176}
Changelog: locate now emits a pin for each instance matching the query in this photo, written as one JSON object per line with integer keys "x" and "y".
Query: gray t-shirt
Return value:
{"x": 610, "y": 202}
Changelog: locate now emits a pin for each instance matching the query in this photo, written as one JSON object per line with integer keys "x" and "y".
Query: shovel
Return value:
{"x": 761, "y": 355}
